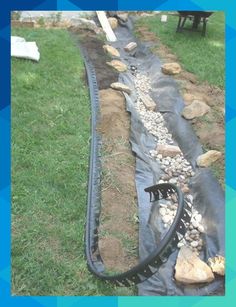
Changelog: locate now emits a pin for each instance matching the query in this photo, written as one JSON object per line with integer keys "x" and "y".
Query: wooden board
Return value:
{"x": 106, "y": 26}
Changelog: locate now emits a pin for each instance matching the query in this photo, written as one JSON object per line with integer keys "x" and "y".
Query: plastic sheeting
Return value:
{"x": 25, "y": 50}
{"x": 207, "y": 193}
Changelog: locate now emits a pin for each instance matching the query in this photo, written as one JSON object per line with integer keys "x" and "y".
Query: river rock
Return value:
{"x": 208, "y": 158}
{"x": 147, "y": 101}
{"x": 185, "y": 189}
{"x": 200, "y": 228}
{"x": 118, "y": 65}
{"x": 166, "y": 219}
{"x": 180, "y": 244}
{"x": 162, "y": 211}
{"x": 198, "y": 218}
{"x": 190, "y": 269}
{"x": 131, "y": 46}
{"x": 123, "y": 16}
{"x": 217, "y": 265}
{"x": 188, "y": 98}
{"x": 121, "y": 87}
{"x": 171, "y": 68}
{"x": 194, "y": 243}
{"x": 168, "y": 150}
{"x": 111, "y": 50}
{"x": 85, "y": 24}
{"x": 196, "y": 109}
{"x": 113, "y": 22}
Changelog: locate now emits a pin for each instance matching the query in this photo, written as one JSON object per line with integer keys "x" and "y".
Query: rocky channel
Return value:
{"x": 175, "y": 168}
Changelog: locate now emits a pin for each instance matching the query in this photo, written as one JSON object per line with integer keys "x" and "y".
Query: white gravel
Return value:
{"x": 176, "y": 170}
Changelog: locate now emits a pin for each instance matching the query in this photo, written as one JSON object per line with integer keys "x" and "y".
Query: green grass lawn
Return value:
{"x": 203, "y": 56}
{"x": 50, "y": 153}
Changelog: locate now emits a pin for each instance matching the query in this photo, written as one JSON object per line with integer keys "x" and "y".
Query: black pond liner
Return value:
{"x": 168, "y": 243}
{"x": 208, "y": 196}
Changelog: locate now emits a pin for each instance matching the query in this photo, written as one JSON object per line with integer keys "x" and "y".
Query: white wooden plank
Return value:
{"x": 110, "y": 35}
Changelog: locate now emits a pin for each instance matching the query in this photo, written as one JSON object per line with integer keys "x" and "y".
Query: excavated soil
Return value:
{"x": 118, "y": 231}
{"x": 105, "y": 75}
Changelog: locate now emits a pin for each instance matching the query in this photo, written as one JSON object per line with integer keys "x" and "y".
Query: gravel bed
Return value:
{"x": 176, "y": 170}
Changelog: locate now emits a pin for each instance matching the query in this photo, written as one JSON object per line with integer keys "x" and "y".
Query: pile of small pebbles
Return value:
{"x": 193, "y": 237}
{"x": 176, "y": 170}
{"x": 153, "y": 121}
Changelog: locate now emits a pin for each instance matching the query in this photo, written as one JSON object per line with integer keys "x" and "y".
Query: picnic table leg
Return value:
{"x": 183, "y": 23}
{"x": 204, "y": 27}
{"x": 178, "y": 26}
{"x": 196, "y": 22}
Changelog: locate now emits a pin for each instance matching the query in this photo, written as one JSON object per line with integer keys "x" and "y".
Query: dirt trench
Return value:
{"x": 118, "y": 243}
{"x": 118, "y": 230}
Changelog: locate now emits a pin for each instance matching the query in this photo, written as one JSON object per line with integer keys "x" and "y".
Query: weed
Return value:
{"x": 55, "y": 18}
{"x": 41, "y": 21}
{"x": 15, "y": 15}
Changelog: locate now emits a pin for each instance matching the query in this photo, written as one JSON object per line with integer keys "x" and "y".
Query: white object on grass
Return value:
{"x": 25, "y": 50}
{"x": 163, "y": 18}
{"x": 17, "y": 39}
{"x": 106, "y": 26}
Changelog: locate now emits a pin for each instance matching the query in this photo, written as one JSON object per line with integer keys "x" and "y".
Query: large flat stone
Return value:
{"x": 130, "y": 46}
{"x": 85, "y": 24}
{"x": 217, "y": 264}
{"x": 208, "y": 158}
{"x": 123, "y": 16}
{"x": 190, "y": 269}
{"x": 196, "y": 109}
{"x": 188, "y": 98}
{"x": 111, "y": 51}
{"x": 147, "y": 101}
{"x": 113, "y": 22}
{"x": 118, "y": 65}
{"x": 121, "y": 87}
{"x": 168, "y": 150}
{"x": 171, "y": 68}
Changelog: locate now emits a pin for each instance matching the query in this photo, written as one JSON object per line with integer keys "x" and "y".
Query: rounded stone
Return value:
{"x": 194, "y": 243}
{"x": 173, "y": 180}
{"x": 180, "y": 244}
{"x": 162, "y": 211}
{"x": 166, "y": 219}
{"x": 198, "y": 218}
{"x": 195, "y": 224}
{"x": 200, "y": 228}
{"x": 194, "y": 232}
